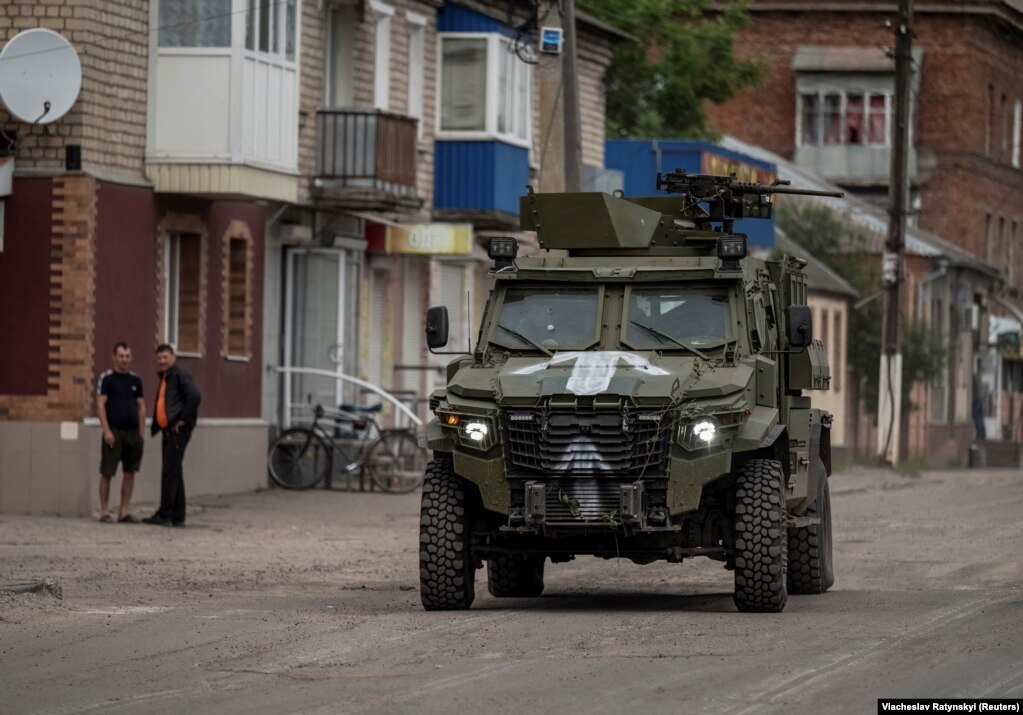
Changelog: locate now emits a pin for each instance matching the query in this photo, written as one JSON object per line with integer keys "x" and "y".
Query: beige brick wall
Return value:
{"x": 315, "y": 38}
{"x": 594, "y": 57}
{"x": 109, "y": 118}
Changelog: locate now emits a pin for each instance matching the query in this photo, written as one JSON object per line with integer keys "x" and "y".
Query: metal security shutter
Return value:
{"x": 413, "y": 341}
{"x": 377, "y": 325}
{"x": 452, "y": 294}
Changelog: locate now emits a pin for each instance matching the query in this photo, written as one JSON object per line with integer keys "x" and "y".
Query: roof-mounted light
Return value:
{"x": 502, "y": 250}
{"x": 731, "y": 250}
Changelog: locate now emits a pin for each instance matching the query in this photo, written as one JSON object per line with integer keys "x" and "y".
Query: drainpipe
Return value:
{"x": 953, "y": 330}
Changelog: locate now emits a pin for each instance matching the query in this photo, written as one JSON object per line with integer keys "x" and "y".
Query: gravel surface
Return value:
{"x": 308, "y": 602}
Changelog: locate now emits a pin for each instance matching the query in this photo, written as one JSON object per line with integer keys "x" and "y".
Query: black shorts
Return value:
{"x": 127, "y": 451}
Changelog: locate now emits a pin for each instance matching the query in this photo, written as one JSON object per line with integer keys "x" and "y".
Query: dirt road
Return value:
{"x": 282, "y": 602}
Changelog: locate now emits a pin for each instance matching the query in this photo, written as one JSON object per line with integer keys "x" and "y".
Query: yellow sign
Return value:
{"x": 723, "y": 166}
{"x": 430, "y": 238}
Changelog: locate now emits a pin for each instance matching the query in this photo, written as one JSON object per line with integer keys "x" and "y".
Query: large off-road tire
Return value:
{"x": 515, "y": 576}
{"x": 811, "y": 569}
{"x": 447, "y": 573}
{"x": 760, "y": 554}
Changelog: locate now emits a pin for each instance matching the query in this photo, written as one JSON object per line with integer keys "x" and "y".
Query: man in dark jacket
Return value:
{"x": 175, "y": 413}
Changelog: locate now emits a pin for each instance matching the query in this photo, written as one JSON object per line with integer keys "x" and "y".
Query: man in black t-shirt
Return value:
{"x": 122, "y": 412}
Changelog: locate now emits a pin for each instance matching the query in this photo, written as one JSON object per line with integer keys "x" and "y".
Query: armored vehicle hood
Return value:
{"x": 643, "y": 376}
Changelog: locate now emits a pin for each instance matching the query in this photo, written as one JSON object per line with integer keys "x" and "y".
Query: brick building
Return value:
{"x": 254, "y": 181}
{"x": 827, "y": 104}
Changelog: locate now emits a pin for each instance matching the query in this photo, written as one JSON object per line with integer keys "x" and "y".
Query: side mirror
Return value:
{"x": 799, "y": 328}
{"x": 437, "y": 327}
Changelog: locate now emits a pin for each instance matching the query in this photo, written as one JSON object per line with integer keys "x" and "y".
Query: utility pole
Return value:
{"x": 890, "y": 396}
{"x": 573, "y": 131}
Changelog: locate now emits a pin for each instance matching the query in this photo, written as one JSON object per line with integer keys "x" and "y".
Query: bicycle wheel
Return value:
{"x": 396, "y": 462}
{"x": 298, "y": 459}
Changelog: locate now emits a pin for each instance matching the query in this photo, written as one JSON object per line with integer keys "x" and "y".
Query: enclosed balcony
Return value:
{"x": 365, "y": 158}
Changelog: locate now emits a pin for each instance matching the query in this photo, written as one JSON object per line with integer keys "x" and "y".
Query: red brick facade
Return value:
{"x": 71, "y": 307}
{"x": 970, "y": 78}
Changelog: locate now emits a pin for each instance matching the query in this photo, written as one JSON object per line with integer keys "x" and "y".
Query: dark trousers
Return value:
{"x": 172, "y": 484}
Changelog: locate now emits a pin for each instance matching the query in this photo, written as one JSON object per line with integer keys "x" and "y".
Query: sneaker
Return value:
{"x": 156, "y": 521}
{"x": 178, "y": 524}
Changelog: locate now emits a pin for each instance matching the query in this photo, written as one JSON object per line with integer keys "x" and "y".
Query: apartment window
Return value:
{"x": 271, "y": 27}
{"x": 182, "y": 291}
{"x": 485, "y": 89}
{"x": 195, "y": 23}
{"x": 237, "y": 291}
{"x": 381, "y": 54}
{"x": 851, "y": 118}
{"x": 416, "y": 64}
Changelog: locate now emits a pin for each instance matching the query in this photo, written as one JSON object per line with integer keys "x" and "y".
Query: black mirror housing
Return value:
{"x": 799, "y": 326}
{"x": 437, "y": 327}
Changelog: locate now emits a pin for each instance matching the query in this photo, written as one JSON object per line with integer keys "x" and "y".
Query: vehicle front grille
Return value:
{"x": 628, "y": 444}
{"x": 585, "y": 499}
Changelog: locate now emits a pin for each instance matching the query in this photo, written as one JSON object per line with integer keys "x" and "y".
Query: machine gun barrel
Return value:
{"x": 748, "y": 187}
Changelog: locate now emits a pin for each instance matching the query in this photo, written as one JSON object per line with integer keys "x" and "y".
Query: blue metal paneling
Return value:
{"x": 456, "y": 18}
{"x": 479, "y": 176}
{"x": 640, "y": 160}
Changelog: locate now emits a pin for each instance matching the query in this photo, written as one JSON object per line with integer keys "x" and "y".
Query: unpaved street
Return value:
{"x": 283, "y": 602}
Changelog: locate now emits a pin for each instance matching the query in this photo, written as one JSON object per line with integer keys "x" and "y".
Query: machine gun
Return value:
{"x": 726, "y": 197}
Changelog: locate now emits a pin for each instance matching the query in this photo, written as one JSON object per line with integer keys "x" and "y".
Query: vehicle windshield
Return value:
{"x": 667, "y": 318}
{"x": 547, "y": 319}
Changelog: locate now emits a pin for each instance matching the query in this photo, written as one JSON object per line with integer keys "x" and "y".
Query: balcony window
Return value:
{"x": 847, "y": 118}
{"x": 195, "y": 23}
{"x": 485, "y": 89}
{"x": 243, "y": 84}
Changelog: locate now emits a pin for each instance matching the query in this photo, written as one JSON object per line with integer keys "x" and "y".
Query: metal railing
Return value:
{"x": 339, "y": 377}
{"x": 367, "y": 149}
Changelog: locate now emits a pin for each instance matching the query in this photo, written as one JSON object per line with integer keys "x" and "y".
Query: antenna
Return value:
{"x": 40, "y": 76}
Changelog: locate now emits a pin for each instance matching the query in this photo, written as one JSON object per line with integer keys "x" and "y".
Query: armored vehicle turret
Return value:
{"x": 638, "y": 390}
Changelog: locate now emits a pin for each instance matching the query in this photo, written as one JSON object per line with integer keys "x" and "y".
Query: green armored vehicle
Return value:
{"x": 640, "y": 392}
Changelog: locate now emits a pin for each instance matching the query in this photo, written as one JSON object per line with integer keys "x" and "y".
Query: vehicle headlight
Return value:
{"x": 704, "y": 431}
{"x": 701, "y": 433}
{"x": 476, "y": 432}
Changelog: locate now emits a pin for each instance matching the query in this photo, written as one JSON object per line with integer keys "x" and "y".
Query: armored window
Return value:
{"x": 661, "y": 318}
{"x": 552, "y": 318}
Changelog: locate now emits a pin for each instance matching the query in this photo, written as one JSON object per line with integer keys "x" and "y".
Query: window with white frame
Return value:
{"x": 271, "y": 27}
{"x": 485, "y": 89}
{"x": 831, "y": 118}
{"x": 182, "y": 292}
{"x": 416, "y": 66}
{"x": 194, "y": 23}
{"x": 381, "y": 54}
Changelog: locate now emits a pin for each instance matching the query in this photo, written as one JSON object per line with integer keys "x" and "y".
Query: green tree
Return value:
{"x": 842, "y": 245}
{"x": 656, "y": 86}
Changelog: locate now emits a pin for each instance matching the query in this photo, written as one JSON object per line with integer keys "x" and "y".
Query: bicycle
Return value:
{"x": 301, "y": 457}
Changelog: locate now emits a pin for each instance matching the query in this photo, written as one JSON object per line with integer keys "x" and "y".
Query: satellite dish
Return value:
{"x": 40, "y": 76}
